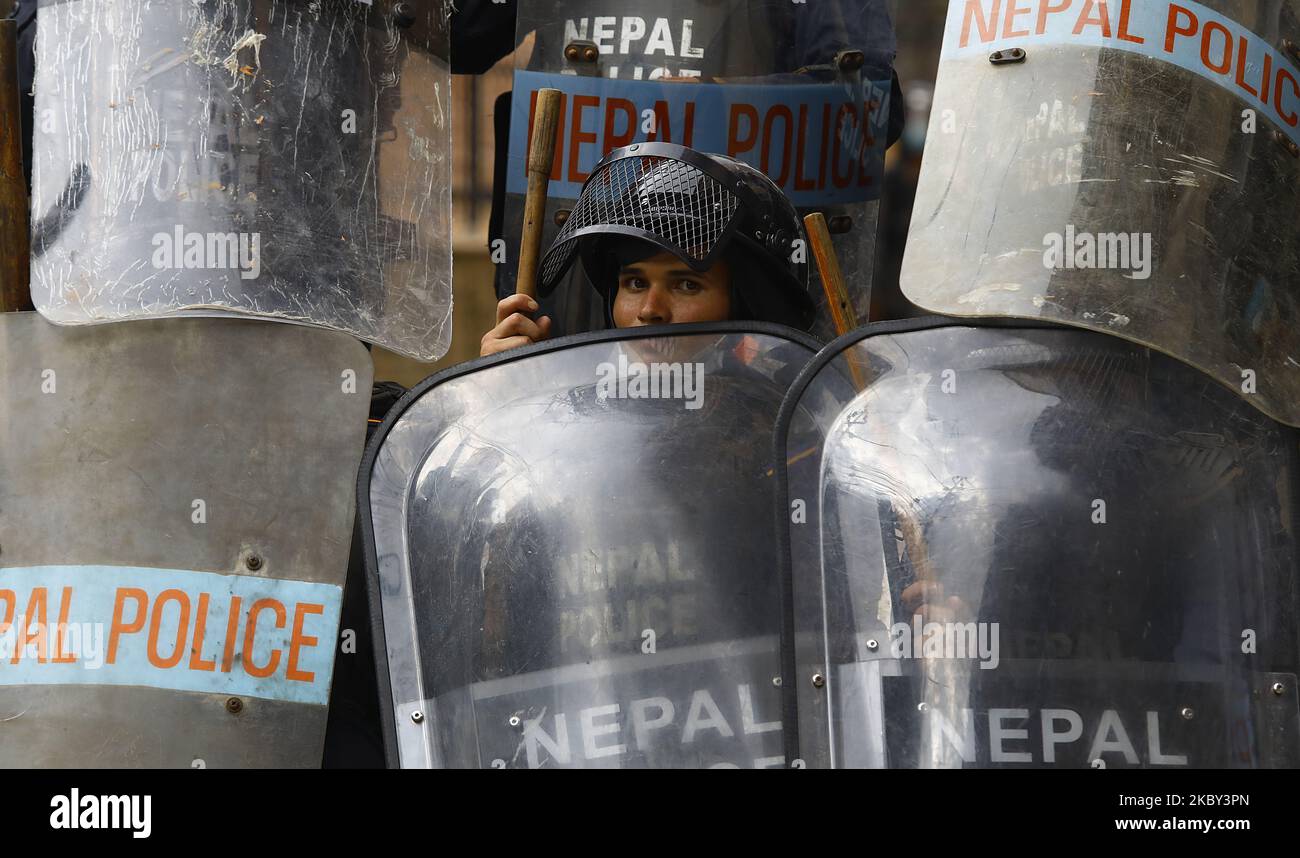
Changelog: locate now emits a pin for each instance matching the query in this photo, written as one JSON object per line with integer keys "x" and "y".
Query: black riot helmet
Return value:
{"x": 700, "y": 208}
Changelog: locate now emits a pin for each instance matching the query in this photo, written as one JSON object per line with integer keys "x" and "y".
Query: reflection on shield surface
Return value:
{"x": 1133, "y": 172}
{"x": 175, "y": 511}
{"x": 287, "y": 160}
{"x": 574, "y": 552}
{"x": 1038, "y": 547}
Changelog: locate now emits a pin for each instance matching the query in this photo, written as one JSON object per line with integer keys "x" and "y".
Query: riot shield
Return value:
{"x": 571, "y": 547}
{"x": 286, "y": 160}
{"x": 175, "y": 511}
{"x": 799, "y": 91}
{"x": 1064, "y": 180}
{"x": 1037, "y": 547}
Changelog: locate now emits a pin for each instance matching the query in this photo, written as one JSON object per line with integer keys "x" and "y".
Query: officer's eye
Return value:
{"x": 633, "y": 284}
{"x": 690, "y": 287}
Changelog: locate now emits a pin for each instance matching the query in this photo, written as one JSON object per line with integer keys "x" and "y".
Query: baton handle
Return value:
{"x": 14, "y": 237}
{"x": 541, "y": 159}
{"x": 837, "y": 294}
{"x": 828, "y": 264}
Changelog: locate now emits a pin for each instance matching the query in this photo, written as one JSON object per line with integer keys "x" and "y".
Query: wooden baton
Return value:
{"x": 541, "y": 158}
{"x": 837, "y": 294}
{"x": 828, "y": 265}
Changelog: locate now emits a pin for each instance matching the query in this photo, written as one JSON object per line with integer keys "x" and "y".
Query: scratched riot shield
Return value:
{"x": 1037, "y": 547}
{"x": 286, "y": 160}
{"x": 797, "y": 90}
{"x": 572, "y": 548}
{"x": 1129, "y": 168}
{"x": 175, "y": 511}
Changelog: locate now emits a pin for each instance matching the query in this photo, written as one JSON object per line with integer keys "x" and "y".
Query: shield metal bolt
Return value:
{"x": 253, "y": 562}
{"x": 514, "y": 721}
{"x": 581, "y": 52}
{"x": 922, "y": 707}
{"x": 776, "y": 681}
{"x": 873, "y": 645}
{"x": 1008, "y": 56}
{"x": 1291, "y": 49}
{"x": 234, "y": 706}
{"x": 1187, "y": 713}
{"x": 1279, "y": 689}
{"x": 839, "y": 225}
{"x": 404, "y": 15}
{"x": 561, "y": 216}
{"x": 417, "y": 717}
{"x": 818, "y": 680}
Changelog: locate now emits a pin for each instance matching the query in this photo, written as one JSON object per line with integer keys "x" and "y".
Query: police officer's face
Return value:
{"x": 662, "y": 290}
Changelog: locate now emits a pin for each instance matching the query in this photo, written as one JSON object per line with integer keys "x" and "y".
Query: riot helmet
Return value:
{"x": 699, "y": 207}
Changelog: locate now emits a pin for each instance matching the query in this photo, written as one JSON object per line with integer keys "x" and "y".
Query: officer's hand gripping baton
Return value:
{"x": 541, "y": 159}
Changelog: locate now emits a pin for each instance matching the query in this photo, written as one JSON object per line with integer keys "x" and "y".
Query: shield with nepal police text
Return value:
{"x": 176, "y": 509}
{"x": 1130, "y": 166}
{"x": 1031, "y": 546}
{"x": 800, "y": 91}
{"x": 286, "y": 160}
{"x": 572, "y": 550}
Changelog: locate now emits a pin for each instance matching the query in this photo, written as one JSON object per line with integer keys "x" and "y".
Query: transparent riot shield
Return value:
{"x": 175, "y": 511}
{"x": 1130, "y": 169}
{"x": 287, "y": 160}
{"x": 1037, "y": 547}
{"x": 572, "y": 549}
{"x": 797, "y": 90}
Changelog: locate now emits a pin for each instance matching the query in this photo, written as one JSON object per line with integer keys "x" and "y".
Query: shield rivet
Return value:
{"x": 417, "y": 717}
{"x": 873, "y": 645}
{"x": 514, "y": 721}
{"x": 581, "y": 52}
{"x": 253, "y": 562}
{"x": 234, "y": 706}
{"x": 1008, "y": 56}
{"x": 1188, "y": 713}
{"x": 561, "y": 216}
{"x": 818, "y": 680}
{"x": 776, "y": 680}
{"x": 1279, "y": 689}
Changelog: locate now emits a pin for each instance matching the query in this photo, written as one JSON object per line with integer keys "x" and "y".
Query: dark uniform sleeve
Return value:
{"x": 482, "y": 32}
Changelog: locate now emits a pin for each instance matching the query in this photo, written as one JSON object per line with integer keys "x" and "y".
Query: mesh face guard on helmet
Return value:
{"x": 697, "y": 207}
{"x": 667, "y": 195}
